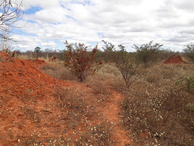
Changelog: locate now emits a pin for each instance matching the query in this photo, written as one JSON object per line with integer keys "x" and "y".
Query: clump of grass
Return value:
{"x": 97, "y": 83}
{"x": 71, "y": 99}
{"x": 110, "y": 75}
{"x": 24, "y": 57}
{"x": 99, "y": 88}
{"x": 49, "y": 67}
{"x": 153, "y": 78}
{"x": 58, "y": 72}
{"x": 110, "y": 69}
{"x": 167, "y": 74}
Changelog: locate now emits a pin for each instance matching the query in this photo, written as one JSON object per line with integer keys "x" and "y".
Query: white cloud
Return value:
{"x": 169, "y": 22}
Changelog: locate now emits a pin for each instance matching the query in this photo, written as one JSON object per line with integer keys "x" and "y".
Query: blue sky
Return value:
{"x": 48, "y": 23}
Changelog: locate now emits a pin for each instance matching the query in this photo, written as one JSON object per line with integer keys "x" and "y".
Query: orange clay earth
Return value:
{"x": 175, "y": 59}
{"x": 33, "y": 110}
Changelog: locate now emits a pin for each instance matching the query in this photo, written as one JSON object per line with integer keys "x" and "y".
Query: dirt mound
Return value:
{"x": 175, "y": 59}
{"x": 36, "y": 109}
{"x": 21, "y": 80}
{"x": 18, "y": 76}
{"x": 37, "y": 63}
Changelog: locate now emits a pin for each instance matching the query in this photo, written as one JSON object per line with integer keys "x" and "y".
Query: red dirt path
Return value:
{"x": 28, "y": 109}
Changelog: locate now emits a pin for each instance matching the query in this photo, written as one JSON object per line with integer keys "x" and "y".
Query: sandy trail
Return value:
{"x": 111, "y": 112}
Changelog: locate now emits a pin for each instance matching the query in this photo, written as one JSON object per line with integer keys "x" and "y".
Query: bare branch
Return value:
{"x": 10, "y": 12}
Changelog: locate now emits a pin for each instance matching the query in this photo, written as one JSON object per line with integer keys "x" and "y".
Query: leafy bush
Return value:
{"x": 80, "y": 61}
{"x": 147, "y": 53}
{"x": 189, "y": 52}
{"x": 123, "y": 62}
{"x": 37, "y": 51}
{"x": 126, "y": 66}
{"x": 108, "y": 51}
{"x": 166, "y": 53}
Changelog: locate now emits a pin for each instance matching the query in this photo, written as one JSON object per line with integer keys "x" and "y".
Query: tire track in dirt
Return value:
{"x": 111, "y": 112}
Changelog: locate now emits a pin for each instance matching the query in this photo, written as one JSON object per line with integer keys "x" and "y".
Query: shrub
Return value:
{"x": 123, "y": 61}
{"x": 189, "y": 52}
{"x": 108, "y": 51}
{"x": 166, "y": 53}
{"x": 147, "y": 53}
{"x": 126, "y": 66}
{"x": 80, "y": 61}
{"x": 37, "y": 51}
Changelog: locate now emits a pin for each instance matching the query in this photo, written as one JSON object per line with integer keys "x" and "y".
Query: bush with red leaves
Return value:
{"x": 80, "y": 61}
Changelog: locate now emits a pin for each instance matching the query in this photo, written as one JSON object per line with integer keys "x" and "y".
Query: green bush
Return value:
{"x": 109, "y": 51}
{"x": 123, "y": 61}
{"x": 189, "y": 52}
{"x": 126, "y": 65}
{"x": 148, "y": 53}
{"x": 37, "y": 51}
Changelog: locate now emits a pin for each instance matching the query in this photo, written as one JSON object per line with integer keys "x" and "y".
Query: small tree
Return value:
{"x": 126, "y": 65}
{"x": 80, "y": 61}
{"x": 147, "y": 53}
{"x": 123, "y": 61}
{"x": 108, "y": 51}
{"x": 37, "y": 50}
{"x": 189, "y": 52}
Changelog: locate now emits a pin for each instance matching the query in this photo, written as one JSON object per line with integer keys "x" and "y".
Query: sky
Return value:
{"x": 49, "y": 23}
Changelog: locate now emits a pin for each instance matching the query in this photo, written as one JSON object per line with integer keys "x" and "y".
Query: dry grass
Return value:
{"x": 158, "y": 108}
{"x": 111, "y": 76}
{"x": 58, "y": 72}
{"x": 24, "y": 57}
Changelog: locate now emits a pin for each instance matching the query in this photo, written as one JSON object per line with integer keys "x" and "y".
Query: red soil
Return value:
{"x": 28, "y": 109}
{"x": 175, "y": 59}
{"x": 37, "y": 63}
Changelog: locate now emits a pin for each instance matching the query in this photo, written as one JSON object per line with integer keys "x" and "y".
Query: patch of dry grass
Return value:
{"x": 58, "y": 72}
{"x": 111, "y": 76}
{"x": 24, "y": 57}
{"x": 158, "y": 108}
